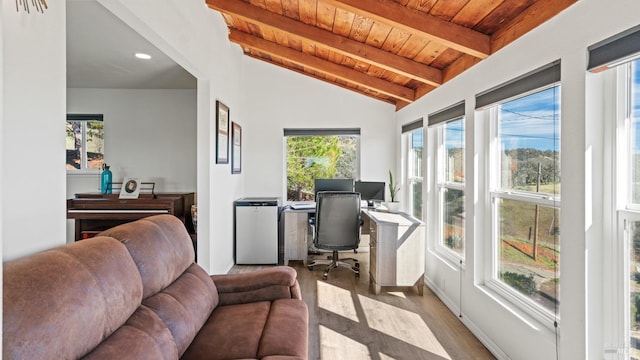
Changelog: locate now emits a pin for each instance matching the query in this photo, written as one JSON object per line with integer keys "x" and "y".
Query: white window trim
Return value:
{"x": 622, "y": 282}
{"x": 547, "y": 318}
{"x": 617, "y": 253}
{"x": 83, "y": 166}
{"x": 410, "y": 180}
{"x": 454, "y": 258}
{"x": 291, "y": 132}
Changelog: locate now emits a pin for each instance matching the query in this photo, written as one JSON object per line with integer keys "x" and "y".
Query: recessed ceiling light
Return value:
{"x": 143, "y": 56}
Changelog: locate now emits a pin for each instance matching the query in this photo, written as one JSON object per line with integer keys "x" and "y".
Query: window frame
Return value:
{"x": 84, "y": 119}
{"x": 625, "y": 217}
{"x": 623, "y": 210}
{"x": 291, "y": 132}
{"x": 495, "y": 192}
{"x": 407, "y": 140}
{"x": 441, "y": 184}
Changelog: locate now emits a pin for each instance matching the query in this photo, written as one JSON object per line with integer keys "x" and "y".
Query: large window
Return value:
{"x": 84, "y": 141}
{"x": 320, "y": 154}
{"x": 524, "y": 190}
{"x": 629, "y": 209}
{"x": 413, "y": 141}
{"x": 622, "y": 204}
{"x": 450, "y": 193}
{"x": 526, "y": 196}
{"x": 450, "y": 185}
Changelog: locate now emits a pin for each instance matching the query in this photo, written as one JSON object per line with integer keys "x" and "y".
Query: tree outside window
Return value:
{"x": 311, "y": 157}
{"x": 84, "y": 142}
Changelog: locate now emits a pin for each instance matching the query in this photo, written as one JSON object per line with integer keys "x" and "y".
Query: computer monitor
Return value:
{"x": 333, "y": 185}
{"x": 370, "y": 190}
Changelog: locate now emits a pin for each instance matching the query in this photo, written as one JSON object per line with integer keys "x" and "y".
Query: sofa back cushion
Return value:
{"x": 143, "y": 336}
{"x": 161, "y": 248}
{"x": 61, "y": 303}
{"x": 179, "y": 291}
{"x": 185, "y": 305}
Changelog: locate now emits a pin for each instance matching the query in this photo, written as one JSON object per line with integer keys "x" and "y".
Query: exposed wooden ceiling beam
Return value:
{"x": 341, "y": 72}
{"x": 533, "y": 16}
{"x": 419, "y": 23}
{"x": 345, "y": 46}
{"x": 462, "y": 64}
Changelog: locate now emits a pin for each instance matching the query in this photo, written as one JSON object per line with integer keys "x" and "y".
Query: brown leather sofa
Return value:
{"x": 134, "y": 292}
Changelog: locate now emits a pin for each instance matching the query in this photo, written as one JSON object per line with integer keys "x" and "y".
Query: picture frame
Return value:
{"x": 236, "y": 152}
{"x": 130, "y": 188}
{"x": 222, "y": 133}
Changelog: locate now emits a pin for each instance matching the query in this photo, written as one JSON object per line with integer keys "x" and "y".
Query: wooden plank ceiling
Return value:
{"x": 392, "y": 50}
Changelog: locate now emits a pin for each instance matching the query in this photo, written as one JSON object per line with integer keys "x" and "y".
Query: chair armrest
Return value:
{"x": 261, "y": 285}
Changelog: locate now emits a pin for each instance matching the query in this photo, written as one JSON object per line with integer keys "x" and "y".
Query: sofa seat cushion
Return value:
{"x": 253, "y": 331}
{"x": 285, "y": 332}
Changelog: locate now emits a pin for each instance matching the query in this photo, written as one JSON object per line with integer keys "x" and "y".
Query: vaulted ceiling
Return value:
{"x": 395, "y": 51}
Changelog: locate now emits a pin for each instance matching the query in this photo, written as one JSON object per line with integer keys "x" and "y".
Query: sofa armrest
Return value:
{"x": 261, "y": 285}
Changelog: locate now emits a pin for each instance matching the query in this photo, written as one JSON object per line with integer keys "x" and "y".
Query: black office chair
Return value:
{"x": 337, "y": 227}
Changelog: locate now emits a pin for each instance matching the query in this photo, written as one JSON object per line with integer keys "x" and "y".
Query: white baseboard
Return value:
{"x": 475, "y": 330}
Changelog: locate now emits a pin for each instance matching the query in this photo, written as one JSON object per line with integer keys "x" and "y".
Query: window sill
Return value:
{"x": 531, "y": 315}
{"x": 85, "y": 172}
{"x": 447, "y": 256}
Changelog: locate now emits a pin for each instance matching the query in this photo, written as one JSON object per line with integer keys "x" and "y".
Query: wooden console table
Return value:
{"x": 94, "y": 212}
{"x": 396, "y": 249}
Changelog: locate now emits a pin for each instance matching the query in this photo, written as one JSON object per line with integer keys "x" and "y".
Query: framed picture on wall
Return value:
{"x": 236, "y": 154}
{"x": 222, "y": 133}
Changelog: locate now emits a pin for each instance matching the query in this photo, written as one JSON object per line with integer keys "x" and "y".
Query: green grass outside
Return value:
{"x": 516, "y": 231}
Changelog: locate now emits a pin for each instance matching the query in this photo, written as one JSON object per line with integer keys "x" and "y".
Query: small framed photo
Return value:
{"x": 222, "y": 133}
{"x": 130, "y": 188}
{"x": 236, "y": 155}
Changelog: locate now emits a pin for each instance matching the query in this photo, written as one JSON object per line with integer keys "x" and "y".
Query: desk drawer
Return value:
{"x": 373, "y": 262}
{"x": 373, "y": 230}
{"x": 373, "y": 240}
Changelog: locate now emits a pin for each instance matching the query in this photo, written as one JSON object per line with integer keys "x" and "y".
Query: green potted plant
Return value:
{"x": 394, "y": 205}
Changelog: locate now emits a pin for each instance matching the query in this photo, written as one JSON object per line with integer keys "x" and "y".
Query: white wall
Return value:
{"x": 149, "y": 134}
{"x": 302, "y": 102}
{"x": 508, "y": 332}
{"x": 196, "y": 38}
{"x": 263, "y": 99}
{"x": 33, "y": 174}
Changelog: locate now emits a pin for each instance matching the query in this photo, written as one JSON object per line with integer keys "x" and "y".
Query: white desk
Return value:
{"x": 396, "y": 249}
{"x": 396, "y": 245}
{"x": 296, "y": 233}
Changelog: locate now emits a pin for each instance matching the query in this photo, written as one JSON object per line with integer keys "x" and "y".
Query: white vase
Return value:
{"x": 393, "y": 206}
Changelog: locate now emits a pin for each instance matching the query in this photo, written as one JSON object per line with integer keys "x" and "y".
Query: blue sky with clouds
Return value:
{"x": 528, "y": 122}
{"x": 532, "y": 121}
{"x": 454, "y": 132}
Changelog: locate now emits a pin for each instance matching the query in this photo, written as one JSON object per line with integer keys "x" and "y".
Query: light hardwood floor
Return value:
{"x": 346, "y": 321}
